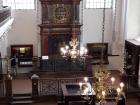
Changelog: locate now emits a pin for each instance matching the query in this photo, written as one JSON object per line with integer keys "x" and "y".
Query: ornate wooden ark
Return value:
{"x": 60, "y": 22}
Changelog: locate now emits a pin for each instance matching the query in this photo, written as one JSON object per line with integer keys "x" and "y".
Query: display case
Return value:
{"x": 22, "y": 54}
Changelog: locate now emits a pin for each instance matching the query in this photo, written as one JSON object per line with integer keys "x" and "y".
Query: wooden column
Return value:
{"x": 8, "y": 87}
{"x": 35, "y": 86}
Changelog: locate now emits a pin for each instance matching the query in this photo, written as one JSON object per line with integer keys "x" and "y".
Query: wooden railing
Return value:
{"x": 5, "y": 79}
{"x": 130, "y": 83}
{"x": 0, "y": 66}
{"x": 5, "y": 12}
{"x": 52, "y": 86}
{"x": 56, "y": 64}
{"x": 2, "y": 88}
{"x": 1, "y": 81}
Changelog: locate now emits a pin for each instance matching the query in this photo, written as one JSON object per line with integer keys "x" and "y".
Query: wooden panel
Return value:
{"x": 98, "y": 53}
{"x": 44, "y": 45}
{"x": 59, "y": 64}
{"x": 132, "y": 61}
{"x": 52, "y": 86}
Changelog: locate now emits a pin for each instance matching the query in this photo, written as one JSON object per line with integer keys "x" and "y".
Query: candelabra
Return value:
{"x": 72, "y": 51}
{"x": 102, "y": 87}
{"x": 86, "y": 89}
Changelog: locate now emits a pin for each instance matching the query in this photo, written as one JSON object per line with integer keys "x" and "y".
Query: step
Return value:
{"x": 21, "y": 97}
{"x": 24, "y": 94}
{"x": 60, "y": 103}
{"x": 22, "y": 102}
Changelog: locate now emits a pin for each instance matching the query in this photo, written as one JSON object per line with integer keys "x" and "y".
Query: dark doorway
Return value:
{"x": 55, "y": 42}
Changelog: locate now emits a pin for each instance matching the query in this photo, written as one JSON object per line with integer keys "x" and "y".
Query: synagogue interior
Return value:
{"x": 69, "y": 52}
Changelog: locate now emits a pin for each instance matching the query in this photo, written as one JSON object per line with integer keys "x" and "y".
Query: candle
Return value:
{"x": 80, "y": 84}
{"x": 64, "y": 52}
{"x": 67, "y": 47}
{"x": 85, "y": 51}
{"x": 86, "y": 79}
{"x": 121, "y": 85}
{"x": 103, "y": 93}
{"x": 112, "y": 80}
{"x": 81, "y": 53}
{"x": 118, "y": 90}
{"x": 61, "y": 49}
{"x": 86, "y": 91}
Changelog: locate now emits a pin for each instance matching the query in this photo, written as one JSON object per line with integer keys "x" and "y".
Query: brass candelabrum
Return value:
{"x": 104, "y": 86}
{"x": 86, "y": 89}
{"x": 72, "y": 51}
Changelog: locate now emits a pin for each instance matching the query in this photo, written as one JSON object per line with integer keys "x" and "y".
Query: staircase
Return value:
{"x": 21, "y": 99}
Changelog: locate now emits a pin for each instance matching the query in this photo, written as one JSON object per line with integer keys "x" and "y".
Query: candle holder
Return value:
{"x": 103, "y": 88}
{"x": 85, "y": 89}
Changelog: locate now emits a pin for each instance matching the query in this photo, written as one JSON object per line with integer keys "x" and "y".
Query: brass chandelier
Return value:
{"x": 72, "y": 50}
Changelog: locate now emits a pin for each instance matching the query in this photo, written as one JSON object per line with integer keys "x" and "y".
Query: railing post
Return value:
{"x": 8, "y": 87}
{"x": 36, "y": 64}
{"x": 35, "y": 78}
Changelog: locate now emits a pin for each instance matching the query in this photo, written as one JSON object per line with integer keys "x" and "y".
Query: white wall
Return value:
{"x": 24, "y": 29}
{"x": 92, "y": 25}
{"x": 4, "y": 29}
{"x": 0, "y": 4}
{"x": 92, "y": 22}
{"x": 133, "y": 19}
{"x": 3, "y": 49}
{"x": 3, "y": 45}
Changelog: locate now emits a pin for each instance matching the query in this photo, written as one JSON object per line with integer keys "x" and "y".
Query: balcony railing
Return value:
{"x": 2, "y": 88}
{"x": 5, "y": 13}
